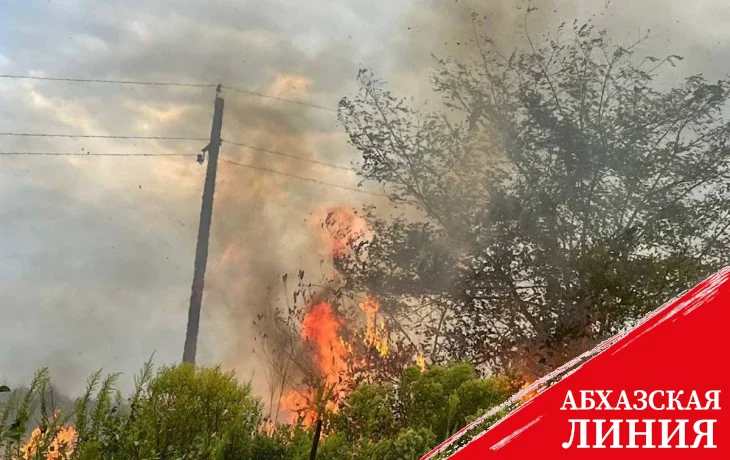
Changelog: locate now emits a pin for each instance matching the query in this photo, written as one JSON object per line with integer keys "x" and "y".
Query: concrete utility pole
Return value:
{"x": 201, "y": 250}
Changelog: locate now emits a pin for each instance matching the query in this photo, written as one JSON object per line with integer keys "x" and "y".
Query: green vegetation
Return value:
{"x": 558, "y": 195}
{"x": 183, "y": 412}
{"x": 563, "y": 191}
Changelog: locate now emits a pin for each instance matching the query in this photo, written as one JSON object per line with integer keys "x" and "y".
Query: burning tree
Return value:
{"x": 561, "y": 193}
{"x": 325, "y": 343}
{"x": 319, "y": 352}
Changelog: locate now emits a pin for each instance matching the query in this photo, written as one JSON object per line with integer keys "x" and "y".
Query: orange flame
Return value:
{"x": 529, "y": 395}
{"x": 331, "y": 355}
{"x": 64, "y": 440}
{"x": 376, "y": 335}
{"x": 268, "y": 427}
{"x": 299, "y": 403}
{"x": 345, "y": 227}
{"x": 320, "y": 329}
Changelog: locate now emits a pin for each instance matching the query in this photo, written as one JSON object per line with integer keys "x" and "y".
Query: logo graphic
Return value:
{"x": 657, "y": 390}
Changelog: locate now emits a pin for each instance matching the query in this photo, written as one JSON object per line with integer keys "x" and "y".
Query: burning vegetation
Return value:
{"x": 330, "y": 377}
{"x": 326, "y": 343}
{"x": 335, "y": 355}
{"x": 57, "y": 447}
{"x": 529, "y": 395}
{"x": 345, "y": 229}
{"x": 531, "y": 233}
{"x": 376, "y": 335}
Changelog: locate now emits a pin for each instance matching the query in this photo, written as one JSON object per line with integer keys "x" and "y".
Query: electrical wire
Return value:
{"x": 100, "y": 136}
{"x": 236, "y": 163}
{"x": 294, "y": 176}
{"x": 268, "y": 96}
{"x": 287, "y": 155}
{"x": 114, "y": 82}
{"x": 91, "y": 154}
{"x": 166, "y": 138}
{"x": 160, "y": 83}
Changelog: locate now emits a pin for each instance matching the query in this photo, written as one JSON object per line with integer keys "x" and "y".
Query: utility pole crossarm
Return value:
{"x": 201, "y": 250}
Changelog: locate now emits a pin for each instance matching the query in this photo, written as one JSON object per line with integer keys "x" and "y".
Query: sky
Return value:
{"x": 96, "y": 253}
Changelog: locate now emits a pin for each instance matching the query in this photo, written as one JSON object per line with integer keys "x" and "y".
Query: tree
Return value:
{"x": 179, "y": 412}
{"x": 406, "y": 420}
{"x": 561, "y": 193}
{"x": 202, "y": 412}
{"x": 183, "y": 412}
{"x": 409, "y": 444}
{"x": 442, "y": 398}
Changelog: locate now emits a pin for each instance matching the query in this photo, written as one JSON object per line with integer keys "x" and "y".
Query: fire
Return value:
{"x": 345, "y": 228}
{"x": 298, "y": 403}
{"x": 320, "y": 330}
{"x": 304, "y": 404}
{"x": 376, "y": 335}
{"x": 421, "y": 362}
{"x": 321, "y": 327}
{"x": 335, "y": 365}
{"x": 268, "y": 427}
{"x": 64, "y": 440}
{"x": 529, "y": 395}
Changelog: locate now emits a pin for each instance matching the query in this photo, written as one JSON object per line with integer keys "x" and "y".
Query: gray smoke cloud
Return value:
{"x": 96, "y": 255}
{"x": 97, "y": 258}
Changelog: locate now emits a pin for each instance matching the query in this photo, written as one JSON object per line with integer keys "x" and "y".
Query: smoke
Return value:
{"x": 439, "y": 29}
{"x": 101, "y": 249}
{"x": 97, "y": 261}
{"x": 265, "y": 225}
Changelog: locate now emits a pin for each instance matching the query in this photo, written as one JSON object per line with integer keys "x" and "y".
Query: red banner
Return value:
{"x": 655, "y": 391}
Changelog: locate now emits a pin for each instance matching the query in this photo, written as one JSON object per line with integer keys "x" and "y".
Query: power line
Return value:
{"x": 268, "y": 96}
{"x": 294, "y": 176}
{"x": 161, "y": 83}
{"x": 114, "y": 82}
{"x": 167, "y": 138}
{"x": 90, "y": 154}
{"x": 257, "y": 168}
{"x": 99, "y": 136}
{"x": 287, "y": 155}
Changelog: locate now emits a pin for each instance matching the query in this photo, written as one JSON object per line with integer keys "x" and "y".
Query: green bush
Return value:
{"x": 183, "y": 413}
{"x": 188, "y": 410}
{"x": 408, "y": 419}
{"x": 409, "y": 444}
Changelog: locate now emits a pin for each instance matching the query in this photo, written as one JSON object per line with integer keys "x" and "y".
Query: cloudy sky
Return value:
{"x": 96, "y": 253}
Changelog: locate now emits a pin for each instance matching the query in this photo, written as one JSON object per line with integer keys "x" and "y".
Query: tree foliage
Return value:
{"x": 407, "y": 419}
{"x": 178, "y": 412}
{"x": 183, "y": 412}
{"x": 562, "y": 192}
